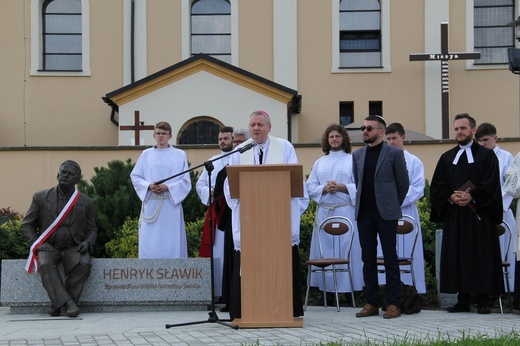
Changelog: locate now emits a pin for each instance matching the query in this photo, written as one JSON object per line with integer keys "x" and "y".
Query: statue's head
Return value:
{"x": 68, "y": 175}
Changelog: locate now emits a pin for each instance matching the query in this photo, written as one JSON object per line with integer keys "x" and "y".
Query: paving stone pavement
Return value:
{"x": 320, "y": 325}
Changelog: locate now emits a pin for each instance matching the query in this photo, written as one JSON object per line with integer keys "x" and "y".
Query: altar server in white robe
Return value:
{"x": 225, "y": 143}
{"x": 487, "y": 136}
{"x": 395, "y": 136}
{"x": 269, "y": 150}
{"x": 331, "y": 184}
{"x": 161, "y": 224}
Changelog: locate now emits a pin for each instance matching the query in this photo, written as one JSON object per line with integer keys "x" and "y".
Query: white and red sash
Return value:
{"x": 32, "y": 261}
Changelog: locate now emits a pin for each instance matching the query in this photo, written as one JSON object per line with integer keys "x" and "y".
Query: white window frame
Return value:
{"x": 186, "y": 30}
{"x": 37, "y": 44}
{"x": 470, "y": 38}
{"x": 385, "y": 42}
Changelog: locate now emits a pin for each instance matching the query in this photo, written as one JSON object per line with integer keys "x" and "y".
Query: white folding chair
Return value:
{"x": 337, "y": 227}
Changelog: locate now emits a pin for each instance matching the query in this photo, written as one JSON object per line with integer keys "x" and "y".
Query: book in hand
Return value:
{"x": 467, "y": 187}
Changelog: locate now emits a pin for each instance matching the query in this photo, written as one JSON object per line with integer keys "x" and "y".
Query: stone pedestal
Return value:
{"x": 118, "y": 285}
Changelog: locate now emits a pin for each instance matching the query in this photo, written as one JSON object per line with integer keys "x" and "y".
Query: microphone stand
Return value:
{"x": 213, "y": 318}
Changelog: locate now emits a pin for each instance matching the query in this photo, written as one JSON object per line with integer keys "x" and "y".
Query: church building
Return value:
{"x": 88, "y": 72}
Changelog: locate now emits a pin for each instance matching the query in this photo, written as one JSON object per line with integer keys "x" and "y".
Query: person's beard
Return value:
{"x": 370, "y": 139}
{"x": 465, "y": 141}
{"x": 227, "y": 148}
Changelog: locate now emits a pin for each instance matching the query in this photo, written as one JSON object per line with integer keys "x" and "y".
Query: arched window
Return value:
{"x": 61, "y": 35}
{"x": 200, "y": 131}
{"x": 360, "y": 33}
{"x": 211, "y": 28}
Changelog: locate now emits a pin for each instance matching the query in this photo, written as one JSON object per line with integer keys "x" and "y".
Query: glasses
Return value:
{"x": 162, "y": 133}
{"x": 238, "y": 142}
{"x": 368, "y": 128}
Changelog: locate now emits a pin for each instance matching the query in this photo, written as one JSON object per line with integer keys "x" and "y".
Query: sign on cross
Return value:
{"x": 444, "y": 57}
{"x": 137, "y": 127}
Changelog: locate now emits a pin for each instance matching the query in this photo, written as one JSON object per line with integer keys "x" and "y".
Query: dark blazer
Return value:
{"x": 43, "y": 212}
{"x": 391, "y": 180}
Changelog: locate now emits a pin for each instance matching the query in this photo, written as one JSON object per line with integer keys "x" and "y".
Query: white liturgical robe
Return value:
{"x": 504, "y": 160}
{"x": 161, "y": 225}
{"x": 335, "y": 166}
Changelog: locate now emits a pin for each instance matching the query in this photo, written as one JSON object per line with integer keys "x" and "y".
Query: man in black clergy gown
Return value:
{"x": 470, "y": 255}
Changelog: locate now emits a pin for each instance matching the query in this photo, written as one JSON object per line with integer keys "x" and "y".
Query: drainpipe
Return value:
{"x": 132, "y": 42}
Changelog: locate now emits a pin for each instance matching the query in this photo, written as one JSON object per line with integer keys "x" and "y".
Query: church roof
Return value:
{"x": 203, "y": 62}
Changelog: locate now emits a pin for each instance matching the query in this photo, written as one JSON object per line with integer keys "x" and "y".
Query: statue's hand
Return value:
{"x": 46, "y": 247}
{"x": 83, "y": 246}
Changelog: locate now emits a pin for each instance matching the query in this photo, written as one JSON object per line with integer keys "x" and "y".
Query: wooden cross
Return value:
{"x": 444, "y": 57}
{"x": 137, "y": 127}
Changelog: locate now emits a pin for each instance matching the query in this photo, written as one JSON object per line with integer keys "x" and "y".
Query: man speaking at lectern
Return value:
{"x": 268, "y": 150}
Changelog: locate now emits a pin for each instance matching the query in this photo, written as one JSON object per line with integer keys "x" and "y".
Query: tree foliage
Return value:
{"x": 125, "y": 241}
{"x": 12, "y": 243}
{"x": 114, "y": 200}
{"x": 192, "y": 206}
{"x": 429, "y": 230}
{"x": 124, "y": 244}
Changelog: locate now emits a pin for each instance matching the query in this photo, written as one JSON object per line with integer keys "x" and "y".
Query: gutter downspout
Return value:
{"x": 132, "y": 56}
{"x": 132, "y": 42}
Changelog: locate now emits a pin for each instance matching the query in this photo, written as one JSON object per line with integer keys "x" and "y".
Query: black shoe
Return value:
{"x": 458, "y": 308}
{"x": 483, "y": 310}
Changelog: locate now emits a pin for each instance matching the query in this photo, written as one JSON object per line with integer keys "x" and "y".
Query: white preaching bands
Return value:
{"x": 469, "y": 154}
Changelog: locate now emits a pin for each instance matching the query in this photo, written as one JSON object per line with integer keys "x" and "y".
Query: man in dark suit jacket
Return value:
{"x": 70, "y": 243}
{"x": 382, "y": 183}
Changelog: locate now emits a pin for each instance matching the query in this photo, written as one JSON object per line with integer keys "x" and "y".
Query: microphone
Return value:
{"x": 246, "y": 147}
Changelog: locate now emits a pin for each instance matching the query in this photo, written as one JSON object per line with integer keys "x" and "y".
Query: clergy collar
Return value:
{"x": 464, "y": 148}
{"x": 264, "y": 144}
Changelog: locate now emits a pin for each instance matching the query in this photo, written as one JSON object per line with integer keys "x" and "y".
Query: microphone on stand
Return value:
{"x": 247, "y": 147}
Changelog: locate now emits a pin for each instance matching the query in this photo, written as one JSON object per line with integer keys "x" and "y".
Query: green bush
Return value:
{"x": 12, "y": 243}
{"x": 193, "y": 208}
{"x": 306, "y": 227}
{"x": 124, "y": 243}
{"x": 193, "y": 234}
{"x": 428, "y": 229}
{"x": 114, "y": 199}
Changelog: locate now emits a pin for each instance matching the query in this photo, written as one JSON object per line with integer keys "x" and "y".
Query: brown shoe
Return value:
{"x": 392, "y": 311}
{"x": 368, "y": 310}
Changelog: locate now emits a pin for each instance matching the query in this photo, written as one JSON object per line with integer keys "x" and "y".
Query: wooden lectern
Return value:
{"x": 265, "y": 193}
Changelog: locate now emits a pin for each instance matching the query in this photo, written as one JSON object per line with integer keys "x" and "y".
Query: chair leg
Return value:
{"x": 413, "y": 274}
{"x": 335, "y": 286}
{"x": 309, "y": 271}
{"x": 324, "y": 287}
{"x": 500, "y": 303}
{"x": 508, "y": 287}
{"x": 351, "y": 288}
